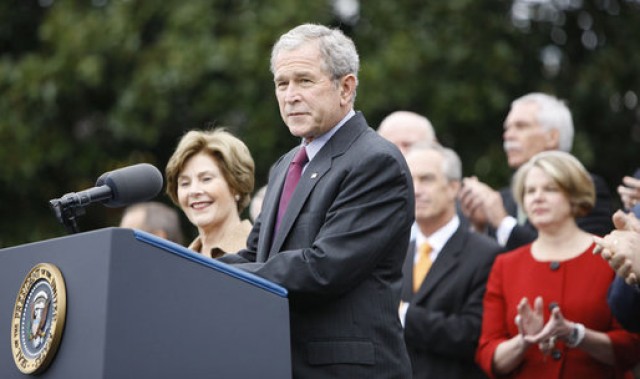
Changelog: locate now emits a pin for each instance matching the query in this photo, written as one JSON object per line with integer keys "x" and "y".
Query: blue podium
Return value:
{"x": 137, "y": 306}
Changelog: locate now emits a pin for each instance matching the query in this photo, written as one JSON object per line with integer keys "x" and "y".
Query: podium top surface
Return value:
{"x": 182, "y": 251}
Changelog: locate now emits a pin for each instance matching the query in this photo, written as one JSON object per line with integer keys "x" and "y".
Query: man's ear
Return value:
{"x": 455, "y": 186}
{"x": 348, "y": 85}
{"x": 553, "y": 139}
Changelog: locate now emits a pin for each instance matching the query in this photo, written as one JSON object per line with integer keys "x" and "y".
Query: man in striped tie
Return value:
{"x": 336, "y": 217}
{"x": 445, "y": 272}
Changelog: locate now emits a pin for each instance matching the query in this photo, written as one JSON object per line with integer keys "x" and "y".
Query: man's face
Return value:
{"x": 435, "y": 194}
{"x": 523, "y": 135}
{"x": 310, "y": 101}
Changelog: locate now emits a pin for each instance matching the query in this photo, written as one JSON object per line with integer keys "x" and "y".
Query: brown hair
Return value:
{"x": 231, "y": 154}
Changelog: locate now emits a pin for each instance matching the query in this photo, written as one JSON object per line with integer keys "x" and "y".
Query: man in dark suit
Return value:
{"x": 442, "y": 313}
{"x": 536, "y": 122}
{"x": 339, "y": 245}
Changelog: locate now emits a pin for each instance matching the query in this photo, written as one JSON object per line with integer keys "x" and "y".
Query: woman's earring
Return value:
{"x": 237, "y": 197}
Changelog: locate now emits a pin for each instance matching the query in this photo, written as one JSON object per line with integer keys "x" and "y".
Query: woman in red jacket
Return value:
{"x": 545, "y": 307}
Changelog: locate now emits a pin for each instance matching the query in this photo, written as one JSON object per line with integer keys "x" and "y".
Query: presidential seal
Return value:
{"x": 38, "y": 318}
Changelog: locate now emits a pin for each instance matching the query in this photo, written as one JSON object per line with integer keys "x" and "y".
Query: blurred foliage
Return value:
{"x": 89, "y": 86}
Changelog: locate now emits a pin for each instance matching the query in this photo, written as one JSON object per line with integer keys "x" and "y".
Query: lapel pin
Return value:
{"x": 314, "y": 175}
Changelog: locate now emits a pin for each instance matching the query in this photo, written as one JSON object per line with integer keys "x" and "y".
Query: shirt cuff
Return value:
{"x": 504, "y": 229}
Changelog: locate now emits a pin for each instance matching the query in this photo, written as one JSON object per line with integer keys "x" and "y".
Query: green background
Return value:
{"x": 90, "y": 86}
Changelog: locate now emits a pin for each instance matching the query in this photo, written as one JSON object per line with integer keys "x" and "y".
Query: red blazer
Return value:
{"x": 579, "y": 286}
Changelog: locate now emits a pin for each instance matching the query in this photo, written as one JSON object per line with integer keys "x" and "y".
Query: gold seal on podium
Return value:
{"x": 38, "y": 318}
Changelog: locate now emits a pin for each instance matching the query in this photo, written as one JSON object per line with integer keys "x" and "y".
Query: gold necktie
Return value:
{"x": 422, "y": 266}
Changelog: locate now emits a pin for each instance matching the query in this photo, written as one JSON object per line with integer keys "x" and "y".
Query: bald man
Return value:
{"x": 404, "y": 129}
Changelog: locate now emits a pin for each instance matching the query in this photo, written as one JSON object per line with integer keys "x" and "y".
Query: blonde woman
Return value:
{"x": 210, "y": 176}
{"x": 545, "y": 307}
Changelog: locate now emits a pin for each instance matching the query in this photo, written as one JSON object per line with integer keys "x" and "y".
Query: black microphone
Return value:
{"x": 117, "y": 188}
{"x": 131, "y": 184}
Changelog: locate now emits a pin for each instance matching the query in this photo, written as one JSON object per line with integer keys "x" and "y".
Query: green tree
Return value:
{"x": 92, "y": 86}
{"x": 106, "y": 84}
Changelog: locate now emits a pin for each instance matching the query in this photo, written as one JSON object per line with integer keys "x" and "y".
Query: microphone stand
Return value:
{"x": 71, "y": 206}
{"x": 67, "y": 213}
{"x": 113, "y": 188}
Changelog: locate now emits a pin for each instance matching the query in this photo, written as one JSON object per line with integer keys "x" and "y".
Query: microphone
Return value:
{"x": 117, "y": 188}
{"x": 114, "y": 189}
{"x": 130, "y": 185}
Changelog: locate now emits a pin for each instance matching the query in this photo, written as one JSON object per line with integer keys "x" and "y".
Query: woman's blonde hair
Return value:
{"x": 567, "y": 172}
{"x": 231, "y": 154}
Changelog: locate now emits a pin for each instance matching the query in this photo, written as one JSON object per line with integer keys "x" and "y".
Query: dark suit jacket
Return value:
{"x": 597, "y": 222}
{"x": 443, "y": 321}
{"x": 339, "y": 251}
{"x": 624, "y": 301}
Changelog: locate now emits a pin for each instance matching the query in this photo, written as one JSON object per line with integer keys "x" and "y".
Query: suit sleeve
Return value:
{"x": 520, "y": 236}
{"x": 369, "y": 215}
{"x": 626, "y": 345}
{"x": 624, "y": 301}
{"x": 598, "y": 221}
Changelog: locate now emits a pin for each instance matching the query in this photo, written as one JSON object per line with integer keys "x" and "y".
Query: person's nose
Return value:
{"x": 508, "y": 134}
{"x": 292, "y": 93}
{"x": 194, "y": 189}
{"x": 537, "y": 194}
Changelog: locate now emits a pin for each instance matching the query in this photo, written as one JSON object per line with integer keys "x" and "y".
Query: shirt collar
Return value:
{"x": 439, "y": 238}
{"x": 231, "y": 244}
{"x": 314, "y": 146}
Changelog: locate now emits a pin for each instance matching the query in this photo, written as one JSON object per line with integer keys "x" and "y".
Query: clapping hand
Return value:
{"x": 556, "y": 327}
{"x": 629, "y": 191}
{"x": 530, "y": 322}
{"x": 621, "y": 248}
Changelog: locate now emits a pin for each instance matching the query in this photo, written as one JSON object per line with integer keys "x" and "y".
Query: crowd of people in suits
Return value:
{"x": 535, "y": 320}
{"x": 396, "y": 265}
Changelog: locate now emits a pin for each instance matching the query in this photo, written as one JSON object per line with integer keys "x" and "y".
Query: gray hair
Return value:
{"x": 451, "y": 163}
{"x": 552, "y": 113}
{"x": 339, "y": 53}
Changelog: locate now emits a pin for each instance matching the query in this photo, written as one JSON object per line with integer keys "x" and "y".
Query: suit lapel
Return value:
{"x": 407, "y": 272}
{"x": 270, "y": 205}
{"x": 314, "y": 172}
{"x": 448, "y": 259}
{"x": 311, "y": 175}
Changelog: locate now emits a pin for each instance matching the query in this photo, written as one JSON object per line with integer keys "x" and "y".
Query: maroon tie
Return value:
{"x": 290, "y": 183}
